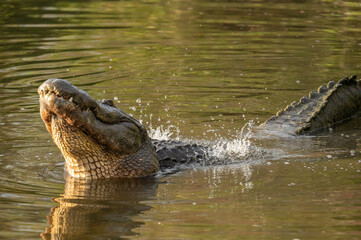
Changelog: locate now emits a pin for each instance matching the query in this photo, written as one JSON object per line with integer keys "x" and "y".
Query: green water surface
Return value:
{"x": 197, "y": 71}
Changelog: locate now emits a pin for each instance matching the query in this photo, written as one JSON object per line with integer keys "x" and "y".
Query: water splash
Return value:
{"x": 223, "y": 151}
{"x": 238, "y": 152}
{"x": 170, "y": 132}
{"x": 235, "y": 150}
{"x": 247, "y": 171}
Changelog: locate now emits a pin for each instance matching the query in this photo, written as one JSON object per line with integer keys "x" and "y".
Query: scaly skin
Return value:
{"x": 98, "y": 140}
{"x": 329, "y": 105}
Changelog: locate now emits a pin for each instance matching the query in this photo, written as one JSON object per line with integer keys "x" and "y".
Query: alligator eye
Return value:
{"x": 108, "y": 102}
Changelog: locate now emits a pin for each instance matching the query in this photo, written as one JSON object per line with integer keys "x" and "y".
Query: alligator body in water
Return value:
{"x": 98, "y": 140}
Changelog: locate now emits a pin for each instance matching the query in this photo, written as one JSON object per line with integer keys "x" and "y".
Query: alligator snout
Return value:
{"x": 59, "y": 87}
{"x": 64, "y": 89}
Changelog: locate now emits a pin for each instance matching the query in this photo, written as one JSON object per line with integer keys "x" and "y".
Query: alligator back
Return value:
{"x": 329, "y": 105}
{"x": 173, "y": 153}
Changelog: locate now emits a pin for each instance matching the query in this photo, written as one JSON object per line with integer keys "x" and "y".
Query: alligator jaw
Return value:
{"x": 105, "y": 123}
{"x": 97, "y": 139}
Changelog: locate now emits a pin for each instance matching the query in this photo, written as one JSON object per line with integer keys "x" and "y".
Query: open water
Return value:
{"x": 200, "y": 71}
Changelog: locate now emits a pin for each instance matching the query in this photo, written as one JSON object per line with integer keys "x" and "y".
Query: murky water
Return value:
{"x": 194, "y": 70}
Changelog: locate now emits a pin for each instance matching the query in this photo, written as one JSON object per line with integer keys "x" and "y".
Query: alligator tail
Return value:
{"x": 329, "y": 105}
{"x": 342, "y": 102}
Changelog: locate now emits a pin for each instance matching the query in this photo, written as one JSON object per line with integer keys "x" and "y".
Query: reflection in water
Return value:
{"x": 99, "y": 209}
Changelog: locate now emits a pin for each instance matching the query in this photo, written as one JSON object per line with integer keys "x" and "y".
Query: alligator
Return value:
{"x": 98, "y": 140}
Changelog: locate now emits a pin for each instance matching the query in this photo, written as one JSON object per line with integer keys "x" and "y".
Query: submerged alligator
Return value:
{"x": 98, "y": 140}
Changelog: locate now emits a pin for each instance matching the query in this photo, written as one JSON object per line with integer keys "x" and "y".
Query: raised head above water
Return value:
{"x": 99, "y": 140}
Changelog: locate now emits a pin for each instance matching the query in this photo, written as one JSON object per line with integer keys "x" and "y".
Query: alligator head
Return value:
{"x": 97, "y": 139}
